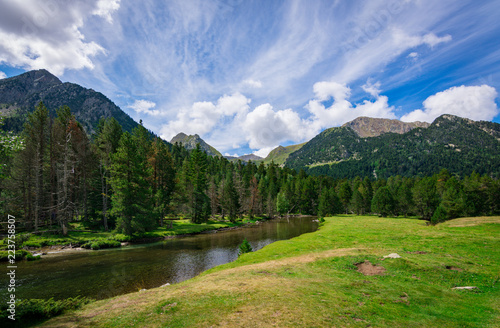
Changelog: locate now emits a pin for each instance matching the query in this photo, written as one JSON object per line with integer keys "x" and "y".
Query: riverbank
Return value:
{"x": 318, "y": 279}
{"x": 79, "y": 239}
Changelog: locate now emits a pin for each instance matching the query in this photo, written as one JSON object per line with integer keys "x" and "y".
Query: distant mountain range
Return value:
{"x": 366, "y": 146}
{"x": 20, "y": 94}
{"x": 245, "y": 158}
{"x": 460, "y": 145}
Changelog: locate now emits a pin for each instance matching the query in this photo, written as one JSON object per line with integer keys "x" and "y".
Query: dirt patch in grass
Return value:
{"x": 450, "y": 267}
{"x": 369, "y": 269}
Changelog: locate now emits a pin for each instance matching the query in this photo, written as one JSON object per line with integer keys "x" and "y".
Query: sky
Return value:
{"x": 248, "y": 76}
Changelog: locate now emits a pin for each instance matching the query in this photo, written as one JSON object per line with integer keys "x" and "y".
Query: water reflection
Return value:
{"x": 108, "y": 273}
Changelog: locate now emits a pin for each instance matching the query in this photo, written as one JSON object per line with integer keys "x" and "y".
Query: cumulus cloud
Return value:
{"x": 47, "y": 34}
{"x": 145, "y": 106}
{"x": 265, "y": 127}
{"x": 3, "y": 75}
{"x": 342, "y": 110}
{"x": 202, "y": 117}
{"x": 326, "y": 90}
{"x": 474, "y": 102}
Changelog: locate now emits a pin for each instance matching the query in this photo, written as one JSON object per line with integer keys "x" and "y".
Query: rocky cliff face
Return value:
{"x": 190, "y": 142}
{"x": 373, "y": 127}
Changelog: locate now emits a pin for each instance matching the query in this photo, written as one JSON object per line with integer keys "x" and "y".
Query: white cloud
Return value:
{"x": 105, "y": 9}
{"x": 372, "y": 88}
{"x": 404, "y": 41}
{"x": 3, "y": 75}
{"x": 379, "y": 51}
{"x": 47, "y": 34}
{"x": 145, "y": 106}
{"x": 256, "y": 84}
{"x": 265, "y": 127}
{"x": 203, "y": 117}
{"x": 413, "y": 55}
{"x": 474, "y": 102}
{"x": 341, "y": 110}
{"x": 326, "y": 90}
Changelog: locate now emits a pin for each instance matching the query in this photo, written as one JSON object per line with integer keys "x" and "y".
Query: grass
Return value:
{"x": 312, "y": 281}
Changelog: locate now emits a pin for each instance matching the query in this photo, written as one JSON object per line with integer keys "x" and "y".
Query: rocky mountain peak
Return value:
{"x": 373, "y": 127}
{"x": 190, "y": 142}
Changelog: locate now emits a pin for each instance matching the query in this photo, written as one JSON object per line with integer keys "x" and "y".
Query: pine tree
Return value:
{"x": 37, "y": 138}
{"x": 106, "y": 143}
{"x": 345, "y": 194}
{"x": 131, "y": 197}
{"x": 425, "y": 197}
{"x": 199, "y": 204}
{"x": 383, "y": 202}
{"x": 162, "y": 177}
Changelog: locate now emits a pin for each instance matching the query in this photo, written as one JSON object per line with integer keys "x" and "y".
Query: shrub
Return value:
{"x": 40, "y": 309}
{"x": 96, "y": 244}
{"x": 245, "y": 247}
{"x": 440, "y": 215}
{"x": 20, "y": 254}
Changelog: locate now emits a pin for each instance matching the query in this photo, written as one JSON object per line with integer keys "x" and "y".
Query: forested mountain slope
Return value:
{"x": 20, "y": 94}
{"x": 457, "y": 144}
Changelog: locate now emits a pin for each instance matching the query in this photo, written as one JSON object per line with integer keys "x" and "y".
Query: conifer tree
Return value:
{"x": 131, "y": 195}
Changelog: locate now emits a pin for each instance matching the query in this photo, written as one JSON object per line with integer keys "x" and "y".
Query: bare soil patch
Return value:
{"x": 449, "y": 267}
{"x": 369, "y": 269}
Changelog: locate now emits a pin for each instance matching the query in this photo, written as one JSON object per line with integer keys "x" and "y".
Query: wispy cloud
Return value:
{"x": 249, "y": 75}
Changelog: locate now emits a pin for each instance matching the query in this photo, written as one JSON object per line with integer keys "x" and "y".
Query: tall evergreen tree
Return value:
{"x": 131, "y": 201}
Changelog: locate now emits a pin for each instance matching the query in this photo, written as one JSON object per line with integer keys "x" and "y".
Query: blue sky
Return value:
{"x": 248, "y": 76}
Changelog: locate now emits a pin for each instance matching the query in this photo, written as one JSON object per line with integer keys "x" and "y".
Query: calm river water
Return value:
{"x": 106, "y": 273}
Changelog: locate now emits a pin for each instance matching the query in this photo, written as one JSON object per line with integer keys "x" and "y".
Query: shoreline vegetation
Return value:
{"x": 354, "y": 270}
{"x": 78, "y": 239}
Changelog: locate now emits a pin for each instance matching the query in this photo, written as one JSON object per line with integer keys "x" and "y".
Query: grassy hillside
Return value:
{"x": 279, "y": 154}
{"x": 312, "y": 281}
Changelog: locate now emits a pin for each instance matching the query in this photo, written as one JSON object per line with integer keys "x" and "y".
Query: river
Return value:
{"x": 107, "y": 273}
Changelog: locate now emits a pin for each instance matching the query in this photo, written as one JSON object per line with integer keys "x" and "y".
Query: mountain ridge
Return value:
{"x": 20, "y": 94}
{"x": 366, "y": 127}
{"x": 460, "y": 145}
{"x": 190, "y": 142}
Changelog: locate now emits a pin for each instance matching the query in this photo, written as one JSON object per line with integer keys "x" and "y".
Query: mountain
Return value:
{"x": 189, "y": 142}
{"x": 279, "y": 154}
{"x": 20, "y": 94}
{"x": 460, "y": 145}
{"x": 244, "y": 158}
{"x": 373, "y": 127}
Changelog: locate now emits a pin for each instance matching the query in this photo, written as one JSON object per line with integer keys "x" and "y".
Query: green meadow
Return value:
{"x": 314, "y": 281}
